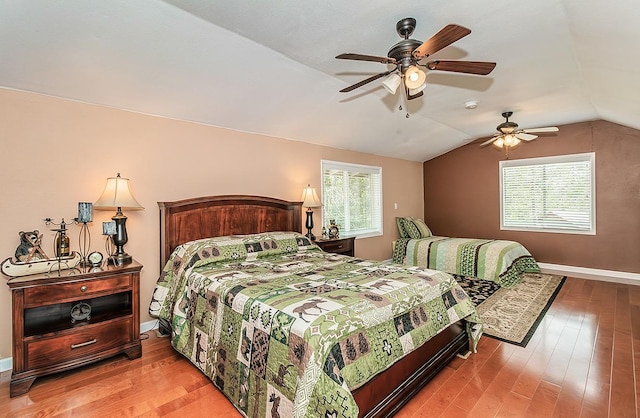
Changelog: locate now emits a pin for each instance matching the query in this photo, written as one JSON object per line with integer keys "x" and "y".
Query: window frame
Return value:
{"x": 376, "y": 230}
{"x": 569, "y": 158}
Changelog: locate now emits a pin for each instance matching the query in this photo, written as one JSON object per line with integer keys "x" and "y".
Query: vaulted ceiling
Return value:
{"x": 268, "y": 66}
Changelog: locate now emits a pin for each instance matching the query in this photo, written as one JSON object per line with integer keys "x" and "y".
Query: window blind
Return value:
{"x": 550, "y": 194}
{"x": 352, "y": 195}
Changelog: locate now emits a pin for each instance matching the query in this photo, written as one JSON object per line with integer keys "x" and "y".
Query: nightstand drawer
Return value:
{"x": 83, "y": 341}
{"x": 343, "y": 246}
{"x": 57, "y": 293}
{"x": 339, "y": 246}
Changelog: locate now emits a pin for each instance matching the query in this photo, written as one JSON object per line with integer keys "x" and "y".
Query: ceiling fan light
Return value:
{"x": 511, "y": 140}
{"x": 414, "y": 77}
{"x": 413, "y": 92}
{"x": 392, "y": 82}
{"x": 499, "y": 142}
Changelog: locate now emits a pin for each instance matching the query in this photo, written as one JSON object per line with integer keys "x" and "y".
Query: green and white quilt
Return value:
{"x": 284, "y": 329}
{"x": 500, "y": 261}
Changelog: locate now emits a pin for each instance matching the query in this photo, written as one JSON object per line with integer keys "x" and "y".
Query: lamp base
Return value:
{"x": 119, "y": 259}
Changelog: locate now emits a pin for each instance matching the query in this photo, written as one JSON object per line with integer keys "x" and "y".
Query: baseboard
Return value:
{"x": 591, "y": 274}
{"x": 148, "y": 326}
{"x": 7, "y": 363}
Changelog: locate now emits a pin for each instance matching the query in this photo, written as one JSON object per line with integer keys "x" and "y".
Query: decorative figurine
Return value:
{"x": 334, "y": 232}
{"x": 30, "y": 247}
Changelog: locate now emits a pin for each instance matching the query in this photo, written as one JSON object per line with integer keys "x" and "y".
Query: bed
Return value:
{"x": 500, "y": 261}
{"x": 285, "y": 329}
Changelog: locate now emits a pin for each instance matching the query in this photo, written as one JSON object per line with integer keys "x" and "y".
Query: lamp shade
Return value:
{"x": 117, "y": 194}
{"x": 310, "y": 198}
{"x": 414, "y": 77}
{"x": 413, "y": 92}
{"x": 391, "y": 83}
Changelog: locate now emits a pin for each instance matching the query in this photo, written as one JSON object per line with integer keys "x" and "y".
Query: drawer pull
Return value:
{"x": 83, "y": 289}
{"x": 339, "y": 247}
{"x": 84, "y": 344}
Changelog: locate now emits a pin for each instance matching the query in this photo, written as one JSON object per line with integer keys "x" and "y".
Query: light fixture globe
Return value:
{"x": 413, "y": 92}
{"x": 392, "y": 82}
{"x": 414, "y": 77}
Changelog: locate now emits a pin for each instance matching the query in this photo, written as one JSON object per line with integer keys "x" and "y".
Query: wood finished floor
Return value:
{"x": 584, "y": 361}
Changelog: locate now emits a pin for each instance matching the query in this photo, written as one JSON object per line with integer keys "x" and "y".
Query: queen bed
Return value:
{"x": 285, "y": 329}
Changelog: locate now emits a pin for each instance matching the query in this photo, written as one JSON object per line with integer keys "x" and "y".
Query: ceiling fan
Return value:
{"x": 407, "y": 54}
{"x": 509, "y": 135}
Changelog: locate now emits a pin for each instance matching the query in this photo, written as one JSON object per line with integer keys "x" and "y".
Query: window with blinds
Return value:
{"x": 549, "y": 194}
{"x": 352, "y": 195}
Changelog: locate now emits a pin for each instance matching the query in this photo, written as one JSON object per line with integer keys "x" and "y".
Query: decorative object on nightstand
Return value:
{"x": 85, "y": 215}
{"x": 95, "y": 259}
{"x": 109, "y": 230}
{"x": 30, "y": 247}
{"x": 31, "y": 259}
{"x": 334, "y": 229}
{"x": 60, "y": 323}
{"x": 61, "y": 245}
{"x": 117, "y": 195}
{"x": 310, "y": 200}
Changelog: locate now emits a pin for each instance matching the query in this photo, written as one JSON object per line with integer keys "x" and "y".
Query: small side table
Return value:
{"x": 65, "y": 321}
{"x": 345, "y": 246}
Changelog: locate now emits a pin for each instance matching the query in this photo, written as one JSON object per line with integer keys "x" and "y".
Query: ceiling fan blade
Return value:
{"x": 360, "y": 57}
{"x": 541, "y": 130}
{"x": 525, "y": 136}
{"x": 363, "y": 82}
{"x": 469, "y": 67}
{"x": 487, "y": 142}
{"x": 447, "y": 35}
{"x": 414, "y": 96}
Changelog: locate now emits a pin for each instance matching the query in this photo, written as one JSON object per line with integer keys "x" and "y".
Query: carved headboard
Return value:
{"x": 212, "y": 216}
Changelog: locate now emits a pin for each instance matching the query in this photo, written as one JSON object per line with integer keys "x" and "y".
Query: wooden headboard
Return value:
{"x": 214, "y": 216}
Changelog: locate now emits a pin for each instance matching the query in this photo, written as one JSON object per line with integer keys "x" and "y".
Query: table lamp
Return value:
{"x": 310, "y": 200}
{"x": 117, "y": 195}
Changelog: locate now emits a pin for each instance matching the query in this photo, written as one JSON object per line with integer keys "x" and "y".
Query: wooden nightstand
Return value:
{"x": 344, "y": 246}
{"x": 48, "y": 339}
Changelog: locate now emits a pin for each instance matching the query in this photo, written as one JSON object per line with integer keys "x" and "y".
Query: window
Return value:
{"x": 352, "y": 195}
{"x": 549, "y": 194}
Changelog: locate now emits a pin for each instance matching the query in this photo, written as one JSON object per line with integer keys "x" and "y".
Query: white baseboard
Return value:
{"x": 7, "y": 363}
{"x": 591, "y": 274}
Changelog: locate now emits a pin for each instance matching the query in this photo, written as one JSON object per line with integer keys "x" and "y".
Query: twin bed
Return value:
{"x": 499, "y": 261}
{"x": 285, "y": 329}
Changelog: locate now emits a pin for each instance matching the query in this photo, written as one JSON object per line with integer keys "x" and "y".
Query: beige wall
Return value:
{"x": 56, "y": 153}
{"x": 462, "y": 196}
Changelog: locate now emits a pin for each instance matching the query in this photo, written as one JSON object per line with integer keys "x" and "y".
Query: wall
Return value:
{"x": 56, "y": 153}
{"x": 462, "y": 196}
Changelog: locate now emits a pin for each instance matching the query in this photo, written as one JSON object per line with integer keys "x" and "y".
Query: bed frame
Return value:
{"x": 203, "y": 217}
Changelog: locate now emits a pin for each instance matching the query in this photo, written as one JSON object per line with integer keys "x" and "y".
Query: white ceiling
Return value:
{"x": 268, "y": 66}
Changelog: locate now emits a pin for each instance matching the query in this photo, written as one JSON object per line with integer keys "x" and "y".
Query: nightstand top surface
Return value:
{"x": 76, "y": 273}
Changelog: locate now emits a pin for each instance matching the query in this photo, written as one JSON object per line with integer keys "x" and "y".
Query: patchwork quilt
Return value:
{"x": 284, "y": 329}
{"x": 500, "y": 261}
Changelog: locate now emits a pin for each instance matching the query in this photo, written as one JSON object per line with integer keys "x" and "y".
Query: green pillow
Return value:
{"x": 422, "y": 227}
{"x": 412, "y": 228}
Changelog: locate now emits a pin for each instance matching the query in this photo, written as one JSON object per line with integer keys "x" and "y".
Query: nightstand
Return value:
{"x": 69, "y": 319}
{"x": 344, "y": 246}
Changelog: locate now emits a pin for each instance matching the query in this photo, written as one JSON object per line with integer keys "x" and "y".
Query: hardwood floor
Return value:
{"x": 584, "y": 361}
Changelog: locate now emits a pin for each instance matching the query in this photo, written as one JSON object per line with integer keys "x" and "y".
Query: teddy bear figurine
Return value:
{"x": 30, "y": 247}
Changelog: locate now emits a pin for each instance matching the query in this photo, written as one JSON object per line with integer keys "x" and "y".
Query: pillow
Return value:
{"x": 412, "y": 228}
{"x": 422, "y": 227}
{"x": 238, "y": 248}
